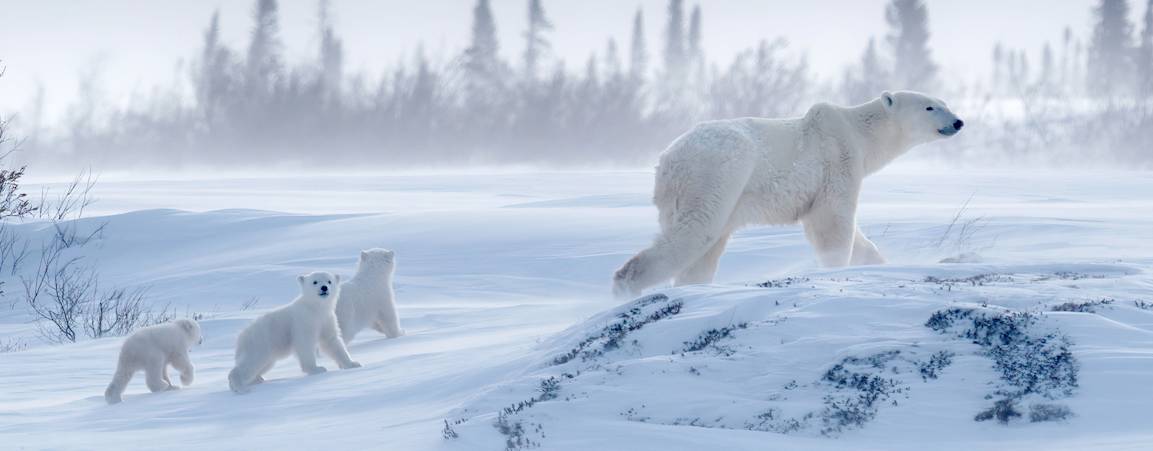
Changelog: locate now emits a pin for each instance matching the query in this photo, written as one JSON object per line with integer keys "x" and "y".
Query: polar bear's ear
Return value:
{"x": 887, "y": 100}
{"x": 363, "y": 254}
{"x": 300, "y": 278}
{"x": 337, "y": 278}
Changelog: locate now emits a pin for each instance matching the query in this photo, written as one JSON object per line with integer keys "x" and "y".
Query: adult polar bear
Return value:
{"x": 723, "y": 175}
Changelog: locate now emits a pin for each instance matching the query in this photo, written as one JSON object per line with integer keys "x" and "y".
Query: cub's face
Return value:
{"x": 191, "y": 330}
{"x": 922, "y": 117}
{"x": 382, "y": 260}
{"x": 320, "y": 284}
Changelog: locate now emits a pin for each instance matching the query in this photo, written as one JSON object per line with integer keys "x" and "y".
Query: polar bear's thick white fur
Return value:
{"x": 367, "y": 299}
{"x": 152, "y": 349}
{"x": 299, "y": 327}
{"x": 723, "y": 175}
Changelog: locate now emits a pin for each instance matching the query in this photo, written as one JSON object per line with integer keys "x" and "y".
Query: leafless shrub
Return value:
{"x": 958, "y": 235}
{"x": 120, "y": 311}
{"x": 67, "y": 299}
{"x": 13, "y": 345}
{"x": 249, "y": 304}
{"x": 71, "y": 202}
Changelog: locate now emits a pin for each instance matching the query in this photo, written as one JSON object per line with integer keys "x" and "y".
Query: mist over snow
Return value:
{"x": 390, "y": 85}
{"x": 176, "y": 160}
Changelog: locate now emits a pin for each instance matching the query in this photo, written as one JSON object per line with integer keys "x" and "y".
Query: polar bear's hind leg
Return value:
{"x": 155, "y": 377}
{"x": 695, "y": 217}
{"x": 705, "y": 267}
{"x": 119, "y": 382}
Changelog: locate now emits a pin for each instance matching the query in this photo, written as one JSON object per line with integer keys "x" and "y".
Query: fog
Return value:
{"x": 462, "y": 83}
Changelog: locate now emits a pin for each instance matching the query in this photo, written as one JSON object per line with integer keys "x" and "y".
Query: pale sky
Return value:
{"x": 138, "y": 43}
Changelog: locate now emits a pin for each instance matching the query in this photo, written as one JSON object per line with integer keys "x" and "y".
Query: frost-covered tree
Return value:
{"x": 1109, "y": 51}
{"x": 998, "y": 64}
{"x": 868, "y": 79}
{"x": 675, "y": 56}
{"x": 913, "y": 66}
{"x": 264, "y": 62}
{"x": 760, "y": 82}
{"x": 638, "y": 51}
{"x": 212, "y": 73}
{"x": 1145, "y": 53}
{"x": 612, "y": 59}
{"x": 486, "y": 100}
{"x": 1045, "y": 78}
{"x": 1066, "y": 48}
{"x": 696, "y": 53}
{"x": 482, "y": 63}
{"x": 536, "y": 44}
{"x": 331, "y": 52}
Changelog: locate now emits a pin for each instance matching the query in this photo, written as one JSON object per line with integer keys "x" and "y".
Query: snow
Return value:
{"x": 499, "y": 274}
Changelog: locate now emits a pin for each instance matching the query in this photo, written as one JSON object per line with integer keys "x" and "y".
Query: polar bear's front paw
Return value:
{"x": 172, "y": 387}
{"x": 186, "y": 379}
{"x": 316, "y": 370}
{"x": 351, "y": 365}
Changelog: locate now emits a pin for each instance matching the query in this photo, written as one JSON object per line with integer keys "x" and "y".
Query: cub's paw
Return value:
{"x": 351, "y": 365}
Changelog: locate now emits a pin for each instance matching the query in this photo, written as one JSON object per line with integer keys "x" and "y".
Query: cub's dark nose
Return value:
{"x": 958, "y": 124}
{"x": 324, "y": 288}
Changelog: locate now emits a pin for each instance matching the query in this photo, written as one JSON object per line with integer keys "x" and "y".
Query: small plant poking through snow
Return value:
{"x": 1143, "y": 305}
{"x": 514, "y": 429}
{"x": 1048, "y": 412}
{"x": 711, "y": 336}
{"x": 1082, "y": 307}
{"x": 937, "y": 362}
{"x": 978, "y": 280}
{"x": 783, "y": 283}
{"x": 867, "y": 391}
{"x": 13, "y": 345}
{"x": 448, "y": 432}
{"x": 1029, "y": 364}
{"x": 612, "y": 335}
{"x": 1003, "y": 411}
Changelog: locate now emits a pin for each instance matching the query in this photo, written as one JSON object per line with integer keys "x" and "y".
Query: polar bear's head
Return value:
{"x": 921, "y": 118}
{"x": 376, "y": 261}
{"x": 191, "y": 330}
{"x": 319, "y": 284}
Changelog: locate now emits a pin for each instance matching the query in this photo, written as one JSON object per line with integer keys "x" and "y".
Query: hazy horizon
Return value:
{"x": 51, "y": 42}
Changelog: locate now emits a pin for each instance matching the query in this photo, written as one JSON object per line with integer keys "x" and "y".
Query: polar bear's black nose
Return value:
{"x": 324, "y": 288}
{"x": 958, "y": 124}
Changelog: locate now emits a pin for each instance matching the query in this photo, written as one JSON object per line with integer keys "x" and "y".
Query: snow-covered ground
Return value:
{"x": 502, "y": 285}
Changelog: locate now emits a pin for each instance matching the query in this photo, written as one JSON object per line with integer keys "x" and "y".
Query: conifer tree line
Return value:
{"x": 621, "y": 105}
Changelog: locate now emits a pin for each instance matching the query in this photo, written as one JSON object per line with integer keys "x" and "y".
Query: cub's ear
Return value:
{"x": 337, "y": 278}
{"x": 363, "y": 254}
{"x": 887, "y": 100}
{"x": 300, "y": 278}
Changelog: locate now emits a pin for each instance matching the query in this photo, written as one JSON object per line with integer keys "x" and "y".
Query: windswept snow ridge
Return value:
{"x": 822, "y": 356}
{"x": 502, "y": 282}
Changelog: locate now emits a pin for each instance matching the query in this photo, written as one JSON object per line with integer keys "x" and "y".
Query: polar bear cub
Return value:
{"x": 152, "y": 349}
{"x": 368, "y": 300}
{"x": 298, "y": 328}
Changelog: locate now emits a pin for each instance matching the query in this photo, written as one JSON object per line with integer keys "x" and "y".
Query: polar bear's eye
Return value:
{"x": 929, "y": 109}
{"x": 314, "y": 282}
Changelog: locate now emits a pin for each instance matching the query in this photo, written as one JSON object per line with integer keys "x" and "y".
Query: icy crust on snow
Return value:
{"x": 825, "y": 355}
